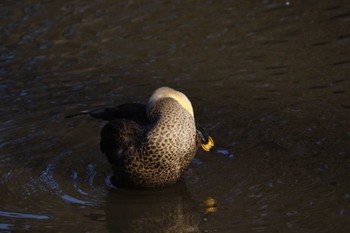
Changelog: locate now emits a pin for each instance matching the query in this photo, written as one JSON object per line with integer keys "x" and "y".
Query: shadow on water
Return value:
{"x": 165, "y": 210}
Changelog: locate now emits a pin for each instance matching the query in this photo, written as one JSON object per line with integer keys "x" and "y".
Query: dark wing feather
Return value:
{"x": 119, "y": 139}
{"x": 131, "y": 111}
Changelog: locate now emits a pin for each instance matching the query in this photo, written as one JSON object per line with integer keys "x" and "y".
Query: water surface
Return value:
{"x": 268, "y": 79}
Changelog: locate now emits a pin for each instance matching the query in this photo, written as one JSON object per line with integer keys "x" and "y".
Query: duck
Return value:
{"x": 151, "y": 145}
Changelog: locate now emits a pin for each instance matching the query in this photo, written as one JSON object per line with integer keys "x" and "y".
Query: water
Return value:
{"x": 268, "y": 79}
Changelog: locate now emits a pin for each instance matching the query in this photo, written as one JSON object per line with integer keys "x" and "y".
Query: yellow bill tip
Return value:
{"x": 209, "y": 145}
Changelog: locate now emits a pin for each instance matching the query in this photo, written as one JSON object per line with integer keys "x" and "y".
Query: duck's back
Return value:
{"x": 155, "y": 154}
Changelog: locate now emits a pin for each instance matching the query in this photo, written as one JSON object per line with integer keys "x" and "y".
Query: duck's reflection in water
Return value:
{"x": 169, "y": 209}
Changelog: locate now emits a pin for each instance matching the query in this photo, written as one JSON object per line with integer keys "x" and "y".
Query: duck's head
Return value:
{"x": 167, "y": 92}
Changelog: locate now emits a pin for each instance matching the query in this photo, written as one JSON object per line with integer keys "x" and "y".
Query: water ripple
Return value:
{"x": 225, "y": 153}
{"x": 74, "y": 200}
{"x": 5, "y": 226}
{"x": 47, "y": 177}
{"x": 74, "y": 179}
{"x": 23, "y": 215}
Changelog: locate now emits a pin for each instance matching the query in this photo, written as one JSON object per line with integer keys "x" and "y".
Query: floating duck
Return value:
{"x": 151, "y": 145}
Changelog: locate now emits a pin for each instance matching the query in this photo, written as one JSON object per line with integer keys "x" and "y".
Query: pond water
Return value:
{"x": 269, "y": 80}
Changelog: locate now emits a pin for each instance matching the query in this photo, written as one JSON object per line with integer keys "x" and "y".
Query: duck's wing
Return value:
{"x": 203, "y": 138}
{"x": 119, "y": 140}
{"x": 131, "y": 111}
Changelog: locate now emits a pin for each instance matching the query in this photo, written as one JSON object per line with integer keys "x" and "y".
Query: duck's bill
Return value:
{"x": 208, "y": 145}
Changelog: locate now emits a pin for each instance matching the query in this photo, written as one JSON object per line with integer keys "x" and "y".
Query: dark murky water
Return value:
{"x": 268, "y": 79}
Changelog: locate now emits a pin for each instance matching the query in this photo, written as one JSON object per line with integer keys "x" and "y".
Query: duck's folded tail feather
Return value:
{"x": 132, "y": 111}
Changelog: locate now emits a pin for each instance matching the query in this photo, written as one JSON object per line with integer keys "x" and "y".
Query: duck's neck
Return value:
{"x": 169, "y": 113}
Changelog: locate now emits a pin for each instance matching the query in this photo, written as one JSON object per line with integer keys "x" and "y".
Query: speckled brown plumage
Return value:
{"x": 151, "y": 155}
